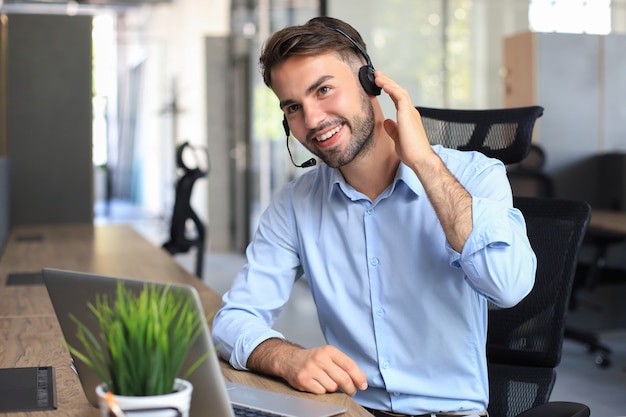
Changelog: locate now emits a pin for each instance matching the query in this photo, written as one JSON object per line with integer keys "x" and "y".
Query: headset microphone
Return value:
{"x": 306, "y": 164}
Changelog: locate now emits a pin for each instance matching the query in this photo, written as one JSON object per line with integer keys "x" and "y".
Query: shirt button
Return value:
{"x": 369, "y": 211}
{"x": 374, "y": 261}
{"x": 379, "y": 312}
{"x": 385, "y": 365}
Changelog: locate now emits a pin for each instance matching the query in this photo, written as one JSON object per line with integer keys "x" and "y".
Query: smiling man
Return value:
{"x": 403, "y": 243}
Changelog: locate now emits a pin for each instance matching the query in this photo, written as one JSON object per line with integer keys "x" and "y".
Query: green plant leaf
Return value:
{"x": 143, "y": 339}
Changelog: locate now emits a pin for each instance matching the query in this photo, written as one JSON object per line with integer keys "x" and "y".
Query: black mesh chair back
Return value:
{"x": 524, "y": 343}
{"x": 505, "y": 134}
{"x": 182, "y": 238}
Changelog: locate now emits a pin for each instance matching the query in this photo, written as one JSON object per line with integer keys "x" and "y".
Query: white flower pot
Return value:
{"x": 175, "y": 404}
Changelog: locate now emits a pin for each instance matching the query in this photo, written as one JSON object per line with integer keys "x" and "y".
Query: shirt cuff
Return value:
{"x": 491, "y": 227}
{"x": 247, "y": 343}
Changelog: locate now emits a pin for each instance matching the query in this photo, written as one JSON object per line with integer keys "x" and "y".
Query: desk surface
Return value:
{"x": 608, "y": 221}
{"x": 29, "y": 331}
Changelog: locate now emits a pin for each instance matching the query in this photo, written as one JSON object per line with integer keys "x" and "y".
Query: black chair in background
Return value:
{"x": 588, "y": 338}
{"x": 588, "y": 277}
{"x": 182, "y": 236}
{"x": 610, "y": 170}
{"x": 528, "y": 178}
{"x": 524, "y": 343}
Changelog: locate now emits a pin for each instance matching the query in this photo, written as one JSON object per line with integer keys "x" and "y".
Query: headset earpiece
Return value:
{"x": 367, "y": 79}
{"x": 366, "y": 72}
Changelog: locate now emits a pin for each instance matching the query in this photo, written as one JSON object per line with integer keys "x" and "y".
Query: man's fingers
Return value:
{"x": 335, "y": 370}
{"x": 324, "y": 369}
{"x": 397, "y": 93}
{"x": 350, "y": 378}
{"x": 317, "y": 382}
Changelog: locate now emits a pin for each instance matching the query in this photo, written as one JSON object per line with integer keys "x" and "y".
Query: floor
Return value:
{"x": 579, "y": 379}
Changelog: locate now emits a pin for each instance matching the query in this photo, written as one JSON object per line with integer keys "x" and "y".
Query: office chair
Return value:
{"x": 504, "y": 134}
{"x": 524, "y": 343}
{"x": 180, "y": 240}
{"x": 588, "y": 277}
{"x": 597, "y": 270}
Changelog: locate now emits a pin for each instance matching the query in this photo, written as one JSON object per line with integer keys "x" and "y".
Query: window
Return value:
{"x": 570, "y": 16}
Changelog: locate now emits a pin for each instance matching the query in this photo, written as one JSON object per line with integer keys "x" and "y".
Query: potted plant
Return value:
{"x": 142, "y": 342}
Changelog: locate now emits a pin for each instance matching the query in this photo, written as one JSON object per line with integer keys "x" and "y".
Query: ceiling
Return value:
{"x": 79, "y": 6}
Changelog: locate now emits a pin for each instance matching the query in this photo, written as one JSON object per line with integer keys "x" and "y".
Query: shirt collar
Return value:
{"x": 404, "y": 174}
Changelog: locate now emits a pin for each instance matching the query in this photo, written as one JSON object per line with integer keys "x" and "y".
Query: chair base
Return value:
{"x": 592, "y": 341}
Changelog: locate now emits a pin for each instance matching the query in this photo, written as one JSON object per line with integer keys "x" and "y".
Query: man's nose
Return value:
{"x": 313, "y": 116}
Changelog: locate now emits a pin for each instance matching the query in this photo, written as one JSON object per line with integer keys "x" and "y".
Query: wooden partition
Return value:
{"x": 4, "y": 201}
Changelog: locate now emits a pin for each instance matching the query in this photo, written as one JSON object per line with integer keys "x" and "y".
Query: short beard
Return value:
{"x": 361, "y": 141}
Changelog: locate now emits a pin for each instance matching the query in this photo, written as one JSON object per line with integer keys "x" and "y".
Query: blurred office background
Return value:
{"x": 95, "y": 96}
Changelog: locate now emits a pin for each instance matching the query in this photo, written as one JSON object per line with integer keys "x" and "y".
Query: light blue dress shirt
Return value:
{"x": 390, "y": 291}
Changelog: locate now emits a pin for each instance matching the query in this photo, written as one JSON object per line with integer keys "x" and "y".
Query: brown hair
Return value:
{"x": 317, "y": 36}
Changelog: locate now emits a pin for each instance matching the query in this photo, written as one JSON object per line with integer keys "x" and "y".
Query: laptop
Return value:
{"x": 70, "y": 292}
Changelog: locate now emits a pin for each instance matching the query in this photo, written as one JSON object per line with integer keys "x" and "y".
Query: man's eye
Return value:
{"x": 324, "y": 90}
{"x": 292, "y": 108}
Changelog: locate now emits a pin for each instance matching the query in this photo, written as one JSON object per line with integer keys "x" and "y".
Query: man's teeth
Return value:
{"x": 328, "y": 134}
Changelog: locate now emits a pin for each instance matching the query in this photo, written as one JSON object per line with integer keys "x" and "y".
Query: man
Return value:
{"x": 402, "y": 243}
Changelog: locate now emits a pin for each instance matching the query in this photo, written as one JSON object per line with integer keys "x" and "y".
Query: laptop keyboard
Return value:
{"x": 241, "y": 411}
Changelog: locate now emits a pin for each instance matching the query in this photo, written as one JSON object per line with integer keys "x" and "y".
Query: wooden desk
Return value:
{"x": 29, "y": 331}
{"x": 608, "y": 221}
{"x": 114, "y": 250}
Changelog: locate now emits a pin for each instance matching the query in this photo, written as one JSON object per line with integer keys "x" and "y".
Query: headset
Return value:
{"x": 366, "y": 72}
{"x": 366, "y": 77}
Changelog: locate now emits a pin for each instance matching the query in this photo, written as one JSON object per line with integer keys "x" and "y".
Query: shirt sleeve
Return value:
{"x": 497, "y": 258}
{"x": 261, "y": 289}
